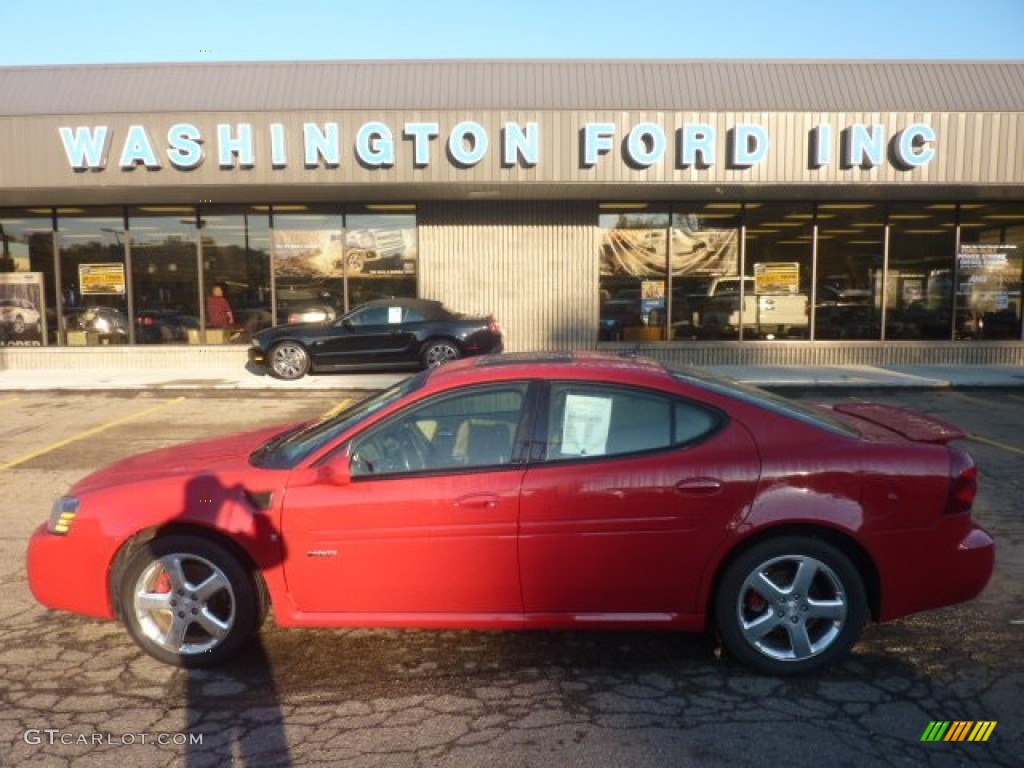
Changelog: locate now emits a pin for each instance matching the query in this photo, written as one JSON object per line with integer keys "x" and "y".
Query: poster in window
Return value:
{"x": 585, "y": 425}
{"x": 777, "y": 278}
{"x": 307, "y": 253}
{"x": 22, "y": 311}
{"x": 101, "y": 279}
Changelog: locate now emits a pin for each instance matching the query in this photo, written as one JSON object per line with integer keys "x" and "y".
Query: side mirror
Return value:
{"x": 336, "y": 471}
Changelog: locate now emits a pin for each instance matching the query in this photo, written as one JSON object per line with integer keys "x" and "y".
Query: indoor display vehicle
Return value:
{"x": 19, "y": 316}
{"x": 380, "y": 334}
{"x": 546, "y": 491}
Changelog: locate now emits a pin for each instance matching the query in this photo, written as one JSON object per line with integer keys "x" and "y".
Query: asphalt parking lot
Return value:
{"x": 75, "y": 691}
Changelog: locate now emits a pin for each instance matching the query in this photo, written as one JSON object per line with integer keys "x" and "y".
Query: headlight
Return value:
{"x": 62, "y": 515}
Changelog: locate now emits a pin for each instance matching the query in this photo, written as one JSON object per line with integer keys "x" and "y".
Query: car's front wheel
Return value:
{"x": 439, "y": 352}
{"x": 289, "y": 360}
{"x": 790, "y": 605}
{"x": 18, "y": 325}
{"x": 188, "y": 601}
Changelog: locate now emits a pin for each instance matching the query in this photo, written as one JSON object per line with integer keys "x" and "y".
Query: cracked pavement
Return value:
{"x": 451, "y": 698}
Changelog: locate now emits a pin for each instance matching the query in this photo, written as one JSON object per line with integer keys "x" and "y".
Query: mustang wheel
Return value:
{"x": 440, "y": 352}
{"x": 790, "y": 605}
{"x": 18, "y": 325}
{"x": 187, "y": 601}
{"x": 289, "y": 360}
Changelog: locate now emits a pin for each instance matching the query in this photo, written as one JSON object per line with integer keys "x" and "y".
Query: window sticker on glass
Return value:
{"x": 394, "y": 315}
{"x": 585, "y": 426}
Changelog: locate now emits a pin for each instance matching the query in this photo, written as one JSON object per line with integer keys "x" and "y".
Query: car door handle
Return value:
{"x": 478, "y": 501}
{"x": 699, "y": 485}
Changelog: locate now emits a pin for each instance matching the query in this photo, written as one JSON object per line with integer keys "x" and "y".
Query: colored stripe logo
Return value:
{"x": 959, "y": 730}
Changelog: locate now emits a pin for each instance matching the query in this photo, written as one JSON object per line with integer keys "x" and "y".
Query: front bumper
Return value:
{"x": 70, "y": 573}
{"x": 257, "y": 357}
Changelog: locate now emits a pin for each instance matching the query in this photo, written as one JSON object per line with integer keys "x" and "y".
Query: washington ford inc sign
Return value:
{"x": 643, "y": 145}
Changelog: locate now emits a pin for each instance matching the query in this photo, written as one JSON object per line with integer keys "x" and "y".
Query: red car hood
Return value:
{"x": 223, "y": 454}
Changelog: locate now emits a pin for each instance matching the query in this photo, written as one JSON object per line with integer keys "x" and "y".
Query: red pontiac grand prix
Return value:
{"x": 532, "y": 491}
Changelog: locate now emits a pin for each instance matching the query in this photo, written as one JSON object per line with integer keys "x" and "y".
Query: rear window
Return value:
{"x": 767, "y": 400}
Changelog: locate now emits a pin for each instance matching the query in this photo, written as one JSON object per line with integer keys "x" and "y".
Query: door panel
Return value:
{"x": 443, "y": 543}
{"x": 608, "y": 536}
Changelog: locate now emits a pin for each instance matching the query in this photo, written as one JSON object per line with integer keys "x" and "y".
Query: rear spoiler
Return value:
{"x": 911, "y": 424}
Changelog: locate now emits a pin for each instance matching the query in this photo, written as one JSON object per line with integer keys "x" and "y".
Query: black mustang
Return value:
{"x": 387, "y": 333}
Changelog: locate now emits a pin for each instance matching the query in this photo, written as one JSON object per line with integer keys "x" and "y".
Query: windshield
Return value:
{"x": 764, "y": 399}
{"x": 291, "y": 447}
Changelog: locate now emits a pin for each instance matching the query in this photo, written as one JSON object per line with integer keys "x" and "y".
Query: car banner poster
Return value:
{"x": 106, "y": 279}
{"x": 302, "y": 253}
{"x": 22, "y": 311}
{"x": 777, "y": 277}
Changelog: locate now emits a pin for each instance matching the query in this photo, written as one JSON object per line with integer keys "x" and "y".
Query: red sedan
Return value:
{"x": 541, "y": 491}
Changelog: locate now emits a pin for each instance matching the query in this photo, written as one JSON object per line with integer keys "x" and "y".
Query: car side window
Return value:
{"x": 586, "y": 420}
{"x": 469, "y": 429}
{"x": 369, "y": 316}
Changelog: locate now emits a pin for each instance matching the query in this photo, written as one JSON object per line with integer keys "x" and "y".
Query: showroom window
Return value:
{"x": 778, "y": 258}
{"x": 27, "y": 295}
{"x": 165, "y": 274}
{"x": 236, "y": 267}
{"x": 851, "y": 253}
{"x": 989, "y": 271}
{"x": 657, "y": 267}
{"x": 93, "y": 306}
{"x": 919, "y": 283}
{"x": 327, "y": 262}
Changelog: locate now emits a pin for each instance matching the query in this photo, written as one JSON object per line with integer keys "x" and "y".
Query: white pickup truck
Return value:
{"x": 770, "y": 315}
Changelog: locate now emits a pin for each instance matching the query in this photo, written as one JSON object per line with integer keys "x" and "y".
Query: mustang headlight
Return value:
{"x": 62, "y": 515}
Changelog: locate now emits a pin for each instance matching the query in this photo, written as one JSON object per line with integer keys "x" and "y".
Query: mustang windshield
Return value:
{"x": 291, "y": 447}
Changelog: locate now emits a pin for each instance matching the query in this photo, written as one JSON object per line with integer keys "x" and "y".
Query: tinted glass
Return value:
{"x": 476, "y": 428}
{"x": 591, "y": 420}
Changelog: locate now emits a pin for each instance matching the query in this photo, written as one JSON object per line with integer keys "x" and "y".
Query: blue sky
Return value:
{"x": 107, "y": 31}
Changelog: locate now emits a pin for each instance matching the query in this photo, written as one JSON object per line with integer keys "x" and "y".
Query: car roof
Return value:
{"x": 402, "y": 302}
{"x": 575, "y": 364}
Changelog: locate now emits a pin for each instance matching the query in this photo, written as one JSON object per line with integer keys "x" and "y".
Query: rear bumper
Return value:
{"x": 943, "y": 567}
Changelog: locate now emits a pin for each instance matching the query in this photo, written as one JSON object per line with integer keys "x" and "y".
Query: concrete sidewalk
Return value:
{"x": 239, "y": 378}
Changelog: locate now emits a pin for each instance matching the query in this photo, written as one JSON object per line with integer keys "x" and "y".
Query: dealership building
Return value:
{"x": 705, "y": 212}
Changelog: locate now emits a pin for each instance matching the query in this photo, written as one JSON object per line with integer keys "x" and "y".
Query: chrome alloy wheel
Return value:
{"x": 289, "y": 360}
{"x": 791, "y": 608}
{"x": 184, "y": 604}
{"x": 439, "y": 353}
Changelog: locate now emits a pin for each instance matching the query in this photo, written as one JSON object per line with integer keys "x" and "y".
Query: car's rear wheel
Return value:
{"x": 188, "y": 601}
{"x": 289, "y": 360}
{"x": 790, "y": 605}
{"x": 439, "y": 352}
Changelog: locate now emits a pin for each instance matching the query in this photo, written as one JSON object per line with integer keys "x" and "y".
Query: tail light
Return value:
{"x": 963, "y": 485}
{"x": 146, "y": 320}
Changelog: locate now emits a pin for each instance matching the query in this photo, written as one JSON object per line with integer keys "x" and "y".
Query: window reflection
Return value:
{"x": 990, "y": 262}
{"x": 165, "y": 276}
{"x": 27, "y": 282}
{"x": 236, "y": 273}
{"x": 634, "y": 252}
{"x": 851, "y": 250}
{"x": 94, "y": 289}
{"x": 919, "y": 285}
{"x": 777, "y": 286}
